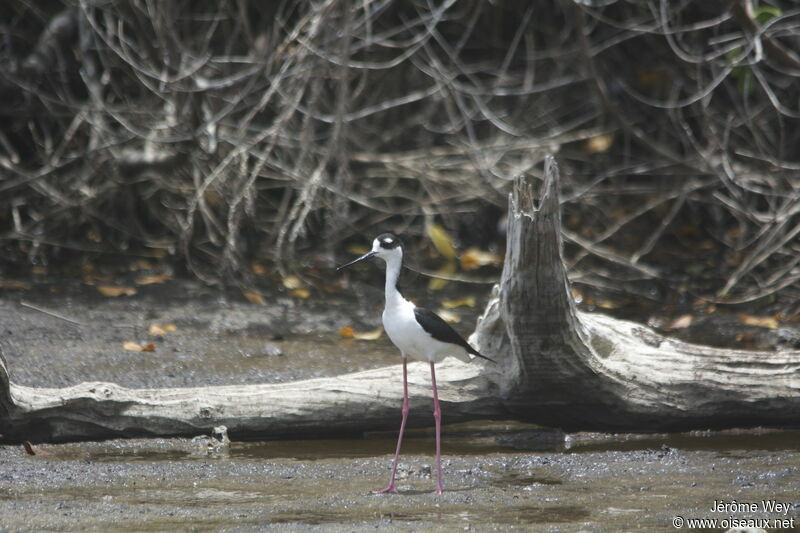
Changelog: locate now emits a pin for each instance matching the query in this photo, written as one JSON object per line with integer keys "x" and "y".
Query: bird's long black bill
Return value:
{"x": 354, "y": 261}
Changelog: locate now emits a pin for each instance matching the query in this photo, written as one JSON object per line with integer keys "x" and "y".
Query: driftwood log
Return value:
{"x": 556, "y": 366}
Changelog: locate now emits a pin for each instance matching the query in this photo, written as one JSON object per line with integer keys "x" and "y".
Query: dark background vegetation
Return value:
{"x": 211, "y": 133}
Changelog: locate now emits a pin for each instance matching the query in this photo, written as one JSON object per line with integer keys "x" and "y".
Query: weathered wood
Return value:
{"x": 355, "y": 402}
{"x": 557, "y": 366}
{"x": 590, "y": 371}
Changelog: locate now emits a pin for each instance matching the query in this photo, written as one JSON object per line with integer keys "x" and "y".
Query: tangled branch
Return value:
{"x": 217, "y": 131}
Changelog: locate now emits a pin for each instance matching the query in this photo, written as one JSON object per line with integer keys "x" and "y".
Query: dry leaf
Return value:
{"x": 137, "y": 347}
{"x": 746, "y": 339}
{"x": 606, "y": 304}
{"x": 140, "y": 264}
{"x": 254, "y": 297}
{"x": 258, "y": 269}
{"x": 442, "y": 241}
{"x": 30, "y": 449}
{"x": 301, "y": 293}
{"x": 599, "y": 143}
{"x": 436, "y": 284}
{"x": 467, "y": 301}
{"x": 39, "y": 270}
{"x": 292, "y": 282}
{"x": 577, "y": 295}
{"x": 448, "y": 316}
{"x": 348, "y": 332}
{"x": 473, "y": 258}
{"x": 14, "y": 284}
{"x": 155, "y": 278}
{"x": 116, "y": 290}
{"x": 683, "y": 321}
{"x": 369, "y": 335}
{"x": 770, "y": 322}
{"x": 357, "y": 249}
{"x": 156, "y": 330}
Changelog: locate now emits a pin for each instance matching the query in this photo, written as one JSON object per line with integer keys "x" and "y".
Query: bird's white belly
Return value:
{"x": 406, "y": 333}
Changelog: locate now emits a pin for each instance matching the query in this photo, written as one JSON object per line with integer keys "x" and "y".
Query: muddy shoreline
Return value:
{"x": 175, "y": 485}
{"x": 498, "y": 475}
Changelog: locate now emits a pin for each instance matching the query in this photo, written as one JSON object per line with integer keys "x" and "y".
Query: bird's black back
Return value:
{"x": 441, "y": 330}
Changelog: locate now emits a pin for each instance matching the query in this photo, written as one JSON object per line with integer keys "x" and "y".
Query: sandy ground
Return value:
{"x": 499, "y": 476}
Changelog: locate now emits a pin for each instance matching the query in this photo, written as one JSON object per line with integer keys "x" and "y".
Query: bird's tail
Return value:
{"x": 476, "y": 353}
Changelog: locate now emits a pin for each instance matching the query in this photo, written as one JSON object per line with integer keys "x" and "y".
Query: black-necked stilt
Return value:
{"x": 418, "y": 333}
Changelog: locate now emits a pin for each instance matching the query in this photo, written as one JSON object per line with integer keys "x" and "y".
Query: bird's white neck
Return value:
{"x": 393, "y": 264}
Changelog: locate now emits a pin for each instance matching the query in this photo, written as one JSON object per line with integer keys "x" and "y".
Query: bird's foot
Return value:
{"x": 390, "y": 488}
{"x": 438, "y": 490}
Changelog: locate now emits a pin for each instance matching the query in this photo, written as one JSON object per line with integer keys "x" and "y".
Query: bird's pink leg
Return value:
{"x": 391, "y": 487}
{"x": 437, "y": 416}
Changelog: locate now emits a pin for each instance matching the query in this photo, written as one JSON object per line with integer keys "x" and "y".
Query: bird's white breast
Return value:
{"x": 411, "y": 339}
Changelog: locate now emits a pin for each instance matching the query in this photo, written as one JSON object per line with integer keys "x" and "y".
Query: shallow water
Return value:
{"x": 585, "y": 481}
{"x": 481, "y": 437}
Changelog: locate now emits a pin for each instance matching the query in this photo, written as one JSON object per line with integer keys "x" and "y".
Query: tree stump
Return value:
{"x": 580, "y": 370}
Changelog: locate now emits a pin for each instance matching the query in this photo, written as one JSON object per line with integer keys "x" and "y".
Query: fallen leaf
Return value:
{"x": 140, "y": 264}
{"x": 156, "y": 330}
{"x": 449, "y": 316}
{"x": 155, "y": 278}
{"x": 746, "y": 339}
{"x": 436, "y": 284}
{"x": 770, "y": 322}
{"x": 577, "y": 295}
{"x": 258, "y": 269}
{"x": 467, "y": 301}
{"x": 14, "y": 284}
{"x": 442, "y": 241}
{"x": 473, "y": 258}
{"x": 599, "y": 143}
{"x": 357, "y": 249}
{"x": 30, "y": 449}
{"x": 332, "y": 288}
{"x": 369, "y": 335}
{"x": 683, "y": 321}
{"x": 348, "y": 332}
{"x": 254, "y": 297}
{"x": 292, "y": 282}
{"x": 301, "y": 293}
{"x": 137, "y": 347}
{"x": 39, "y": 270}
{"x": 607, "y": 304}
{"x": 116, "y": 290}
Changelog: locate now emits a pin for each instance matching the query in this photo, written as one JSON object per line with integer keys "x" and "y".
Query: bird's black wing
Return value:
{"x": 441, "y": 330}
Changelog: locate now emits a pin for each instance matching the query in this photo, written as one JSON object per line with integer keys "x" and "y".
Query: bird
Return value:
{"x": 418, "y": 333}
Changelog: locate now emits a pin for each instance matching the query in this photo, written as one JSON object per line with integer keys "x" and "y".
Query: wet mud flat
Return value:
{"x": 599, "y": 484}
{"x": 498, "y": 475}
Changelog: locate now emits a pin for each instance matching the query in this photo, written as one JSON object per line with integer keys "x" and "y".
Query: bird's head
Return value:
{"x": 386, "y": 246}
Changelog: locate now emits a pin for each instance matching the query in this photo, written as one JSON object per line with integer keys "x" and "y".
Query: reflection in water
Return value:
{"x": 469, "y": 438}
